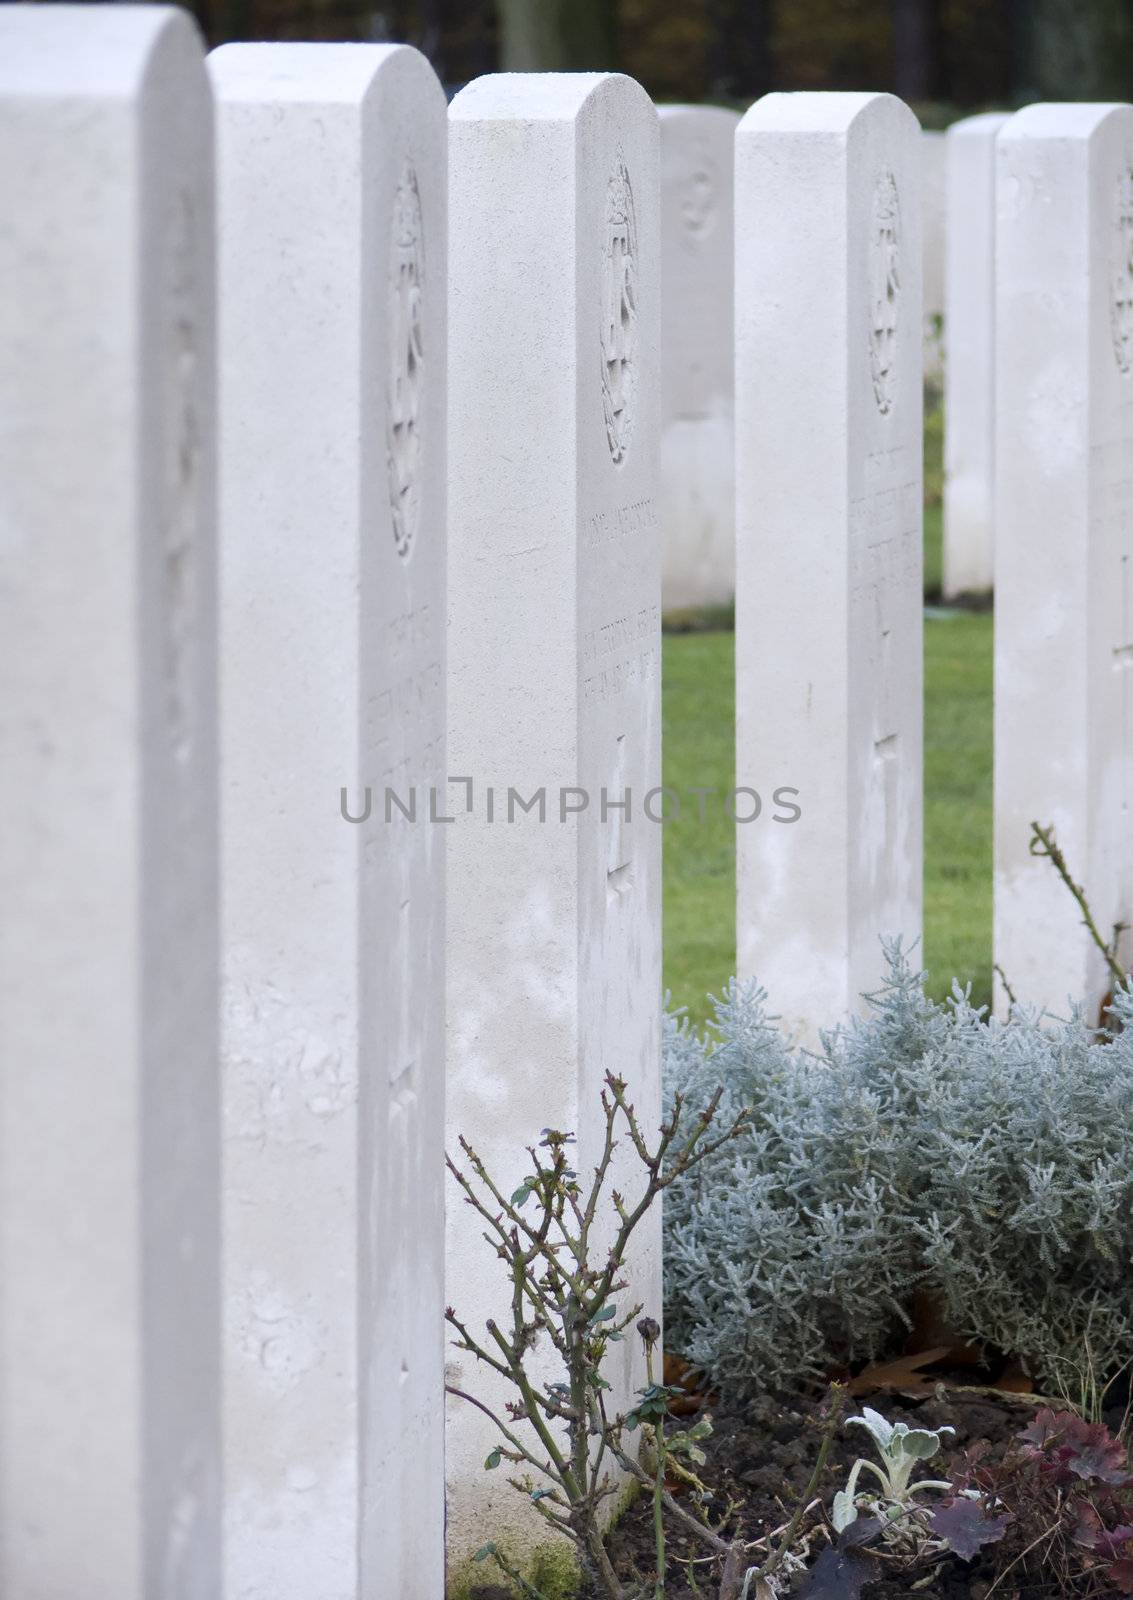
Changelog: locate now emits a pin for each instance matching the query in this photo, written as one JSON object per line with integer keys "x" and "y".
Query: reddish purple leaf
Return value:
{"x": 1088, "y": 1524}
{"x": 1121, "y": 1576}
{"x": 1069, "y": 1443}
{"x": 1044, "y": 1428}
{"x": 1116, "y": 1543}
{"x": 966, "y": 1527}
{"x": 1093, "y": 1452}
{"x": 838, "y": 1575}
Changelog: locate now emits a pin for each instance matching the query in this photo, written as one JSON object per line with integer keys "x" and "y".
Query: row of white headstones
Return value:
{"x": 698, "y": 352}
{"x": 262, "y": 691}
{"x": 1035, "y": 367}
{"x": 698, "y": 560}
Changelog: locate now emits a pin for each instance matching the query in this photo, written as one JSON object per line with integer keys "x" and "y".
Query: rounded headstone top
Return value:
{"x": 103, "y": 51}
{"x": 816, "y": 111}
{"x": 1062, "y": 119}
{"x": 983, "y": 123}
{"x": 334, "y": 74}
{"x": 700, "y": 114}
{"x": 537, "y": 96}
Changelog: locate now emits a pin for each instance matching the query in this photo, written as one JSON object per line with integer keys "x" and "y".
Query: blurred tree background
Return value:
{"x": 941, "y": 55}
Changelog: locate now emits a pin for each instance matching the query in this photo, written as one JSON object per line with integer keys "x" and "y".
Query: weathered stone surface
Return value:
{"x": 554, "y": 920}
{"x": 828, "y": 543}
{"x": 1063, "y": 542}
{"x": 934, "y": 234}
{"x": 332, "y": 201}
{"x": 969, "y": 373}
{"x": 109, "y": 1237}
{"x": 697, "y": 363}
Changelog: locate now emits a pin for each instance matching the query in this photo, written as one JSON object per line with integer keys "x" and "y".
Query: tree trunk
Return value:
{"x": 916, "y": 48}
{"x": 740, "y": 61}
{"x": 556, "y": 35}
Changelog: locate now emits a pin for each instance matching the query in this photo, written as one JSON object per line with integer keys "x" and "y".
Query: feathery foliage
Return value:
{"x": 924, "y": 1146}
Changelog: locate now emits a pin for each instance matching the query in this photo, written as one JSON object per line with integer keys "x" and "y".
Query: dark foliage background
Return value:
{"x": 945, "y": 54}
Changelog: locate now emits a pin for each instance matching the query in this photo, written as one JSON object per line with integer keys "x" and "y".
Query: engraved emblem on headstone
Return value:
{"x": 619, "y": 313}
{"x": 403, "y": 425}
{"x": 699, "y": 210}
{"x": 884, "y": 291}
{"x": 1121, "y": 274}
{"x": 182, "y": 476}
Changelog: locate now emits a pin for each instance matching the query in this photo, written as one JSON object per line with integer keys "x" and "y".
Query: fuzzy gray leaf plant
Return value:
{"x": 989, "y": 1163}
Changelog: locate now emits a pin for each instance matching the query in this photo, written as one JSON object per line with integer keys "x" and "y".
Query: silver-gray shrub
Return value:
{"x": 990, "y": 1163}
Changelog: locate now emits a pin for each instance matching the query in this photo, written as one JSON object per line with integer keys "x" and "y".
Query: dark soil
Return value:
{"x": 759, "y": 1461}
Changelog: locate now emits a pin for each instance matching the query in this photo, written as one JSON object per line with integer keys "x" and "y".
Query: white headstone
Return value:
{"x": 1063, "y": 542}
{"x": 554, "y": 920}
{"x": 332, "y": 290}
{"x": 109, "y": 1238}
{"x": 828, "y": 544}
{"x": 697, "y": 246}
{"x": 969, "y": 374}
{"x": 934, "y": 235}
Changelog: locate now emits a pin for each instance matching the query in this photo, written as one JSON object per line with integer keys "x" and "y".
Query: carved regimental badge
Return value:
{"x": 884, "y": 291}
{"x": 1121, "y": 274}
{"x": 403, "y": 408}
{"x": 699, "y": 207}
{"x": 619, "y": 313}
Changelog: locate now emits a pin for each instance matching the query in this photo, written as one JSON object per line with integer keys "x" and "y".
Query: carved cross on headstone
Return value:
{"x": 619, "y": 852}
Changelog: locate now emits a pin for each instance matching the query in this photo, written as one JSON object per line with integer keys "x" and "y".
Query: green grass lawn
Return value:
{"x": 698, "y": 744}
{"x": 699, "y": 714}
{"x": 933, "y": 552}
{"x": 698, "y": 710}
{"x": 958, "y": 814}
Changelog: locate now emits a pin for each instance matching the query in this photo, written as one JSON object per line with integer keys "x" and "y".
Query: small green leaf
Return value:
{"x": 484, "y": 1552}
{"x": 922, "y": 1444}
{"x": 604, "y": 1315}
{"x": 844, "y": 1511}
{"x": 493, "y": 1460}
{"x": 540, "y": 1494}
{"x": 522, "y": 1194}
